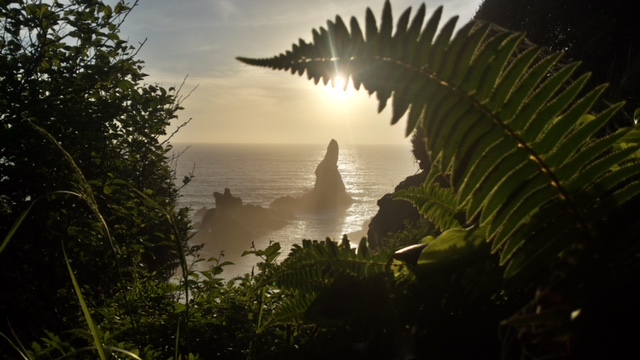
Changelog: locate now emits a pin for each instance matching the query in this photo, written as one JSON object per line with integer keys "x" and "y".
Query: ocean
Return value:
{"x": 259, "y": 174}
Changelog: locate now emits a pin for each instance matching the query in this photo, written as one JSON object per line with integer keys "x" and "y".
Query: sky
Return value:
{"x": 197, "y": 41}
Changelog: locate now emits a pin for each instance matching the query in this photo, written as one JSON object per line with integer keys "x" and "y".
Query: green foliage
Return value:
{"x": 610, "y": 51}
{"x": 81, "y": 163}
{"x": 450, "y": 248}
{"x": 313, "y": 268}
{"x": 411, "y": 234}
{"x": 312, "y": 265}
{"x": 327, "y": 298}
{"x": 434, "y": 202}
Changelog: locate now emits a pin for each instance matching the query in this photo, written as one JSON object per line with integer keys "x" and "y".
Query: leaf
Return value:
{"x": 410, "y": 254}
{"x": 95, "y": 332}
{"x": 451, "y": 247}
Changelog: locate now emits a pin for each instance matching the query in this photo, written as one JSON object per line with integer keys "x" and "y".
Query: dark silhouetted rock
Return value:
{"x": 227, "y": 202}
{"x": 328, "y": 193}
{"x": 232, "y": 225}
{"x": 228, "y": 206}
{"x": 393, "y": 215}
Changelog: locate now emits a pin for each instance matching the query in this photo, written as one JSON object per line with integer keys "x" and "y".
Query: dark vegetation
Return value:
{"x": 602, "y": 35}
{"x": 526, "y": 247}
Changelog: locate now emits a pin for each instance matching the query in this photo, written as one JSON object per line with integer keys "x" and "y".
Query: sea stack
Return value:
{"x": 328, "y": 193}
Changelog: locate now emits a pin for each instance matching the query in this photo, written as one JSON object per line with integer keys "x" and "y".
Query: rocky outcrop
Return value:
{"x": 393, "y": 215}
{"x": 328, "y": 193}
{"x": 233, "y": 221}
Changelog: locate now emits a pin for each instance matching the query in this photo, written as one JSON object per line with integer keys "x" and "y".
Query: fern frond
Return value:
{"x": 313, "y": 265}
{"x": 291, "y": 310}
{"x": 310, "y": 270}
{"x": 512, "y": 129}
{"x": 433, "y": 202}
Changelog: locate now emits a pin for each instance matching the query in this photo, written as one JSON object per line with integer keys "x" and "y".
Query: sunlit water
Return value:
{"x": 259, "y": 174}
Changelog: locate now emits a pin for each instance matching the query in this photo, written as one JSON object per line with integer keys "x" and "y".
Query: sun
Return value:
{"x": 339, "y": 88}
{"x": 339, "y": 82}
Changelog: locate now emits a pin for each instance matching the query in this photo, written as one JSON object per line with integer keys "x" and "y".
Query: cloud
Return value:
{"x": 225, "y": 8}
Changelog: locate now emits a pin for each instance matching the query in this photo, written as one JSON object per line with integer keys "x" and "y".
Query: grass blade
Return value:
{"x": 85, "y": 310}
{"x": 18, "y": 347}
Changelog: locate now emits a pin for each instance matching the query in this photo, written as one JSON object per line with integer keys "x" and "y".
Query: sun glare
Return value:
{"x": 339, "y": 88}
{"x": 339, "y": 82}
